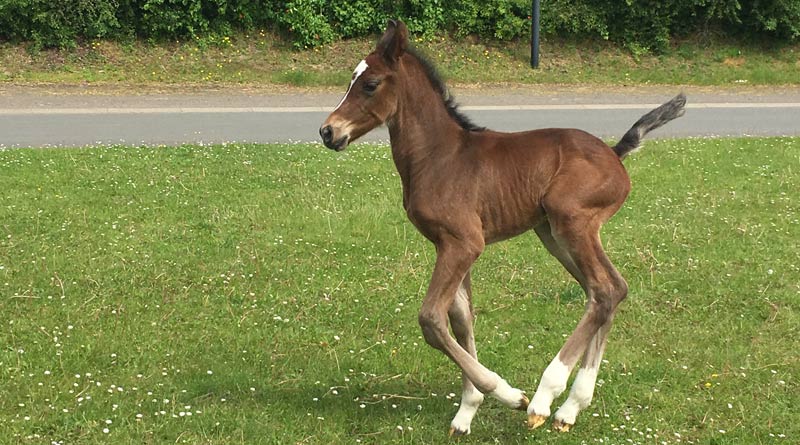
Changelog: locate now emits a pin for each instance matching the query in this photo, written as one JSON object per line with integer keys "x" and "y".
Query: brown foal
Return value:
{"x": 465, "y": 187}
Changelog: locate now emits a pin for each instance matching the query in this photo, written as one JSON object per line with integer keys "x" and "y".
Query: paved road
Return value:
{"x": 37, "y": 118}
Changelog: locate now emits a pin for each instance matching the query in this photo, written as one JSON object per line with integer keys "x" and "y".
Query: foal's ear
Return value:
{"x": 393, "y": 42}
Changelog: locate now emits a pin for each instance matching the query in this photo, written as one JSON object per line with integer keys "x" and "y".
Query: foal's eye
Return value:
{"x": 370, "y": 87}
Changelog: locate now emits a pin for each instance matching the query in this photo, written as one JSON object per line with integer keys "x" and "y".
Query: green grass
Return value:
{"x": 268, "y": 294}
{"x": 263, "y": 60}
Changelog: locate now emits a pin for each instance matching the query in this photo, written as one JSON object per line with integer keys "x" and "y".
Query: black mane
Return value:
{"x": 438, "y": 85}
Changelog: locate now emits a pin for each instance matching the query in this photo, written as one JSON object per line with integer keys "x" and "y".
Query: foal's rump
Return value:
{"x": 563, "y": 171}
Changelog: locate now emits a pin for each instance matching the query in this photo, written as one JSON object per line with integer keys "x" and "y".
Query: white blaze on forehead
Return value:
{"x": 360, "y": 68}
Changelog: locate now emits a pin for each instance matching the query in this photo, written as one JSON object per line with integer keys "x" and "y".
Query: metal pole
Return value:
{"x": 535, "y": 13}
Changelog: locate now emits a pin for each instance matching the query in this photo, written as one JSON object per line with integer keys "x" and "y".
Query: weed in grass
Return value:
{"x": 268, "y": 294}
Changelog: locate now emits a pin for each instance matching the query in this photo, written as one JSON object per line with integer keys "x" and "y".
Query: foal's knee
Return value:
{"x": 434, "y": 328}
{"x": 460, "y": 321}
{"x": 605, "y": 299}
{"x": 601, "y": 308}
{"x": 619, "y": 291}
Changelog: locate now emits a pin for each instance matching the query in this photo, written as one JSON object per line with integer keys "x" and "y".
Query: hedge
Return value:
{"x": 639, "y": 24}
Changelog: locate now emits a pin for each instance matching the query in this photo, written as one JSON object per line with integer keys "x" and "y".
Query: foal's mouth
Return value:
{"x": 327, "y": 132}
{"x": 339, "y": 144}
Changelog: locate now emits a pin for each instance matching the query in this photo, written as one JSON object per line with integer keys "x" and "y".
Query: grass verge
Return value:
{"x": 262, "y": 59}
{"x": 268, "y": 294}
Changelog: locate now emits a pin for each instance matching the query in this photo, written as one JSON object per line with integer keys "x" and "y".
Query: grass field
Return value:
{"x": 262, "y": 60}
{"x": 245, "y": 294}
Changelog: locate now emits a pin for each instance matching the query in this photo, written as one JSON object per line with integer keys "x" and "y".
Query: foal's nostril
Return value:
{"x": 326, "y": 133}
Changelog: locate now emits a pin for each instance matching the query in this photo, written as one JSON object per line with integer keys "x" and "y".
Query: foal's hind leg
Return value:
{"x": 580, "y": 395}
{"x": 582, "y": 391}
{"x": 545, "y": 234}
{"x": 461, "y": 321}
{"x": 578, "y": 239}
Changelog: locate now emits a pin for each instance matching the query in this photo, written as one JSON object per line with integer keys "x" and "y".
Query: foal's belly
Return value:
{"x": 506, "y": 223}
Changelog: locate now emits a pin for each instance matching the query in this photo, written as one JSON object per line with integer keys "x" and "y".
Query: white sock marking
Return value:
{"x": 470, "y": 401}
{"x": 505, "y": 393}
{"x": 553, "y": 383}
{"x": 580, "y": 395}
{"x": 360, "y": 68}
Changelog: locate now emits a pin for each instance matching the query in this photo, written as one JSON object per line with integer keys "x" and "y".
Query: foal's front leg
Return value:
{"x": 462, "y": 320}
{"x": 453, "y": 261}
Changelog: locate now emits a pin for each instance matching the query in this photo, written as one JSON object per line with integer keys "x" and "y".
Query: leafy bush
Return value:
{"x": 501, "y": 19}
{"x": 780, "y": 18}
{"x": 641, "y": 25}
{"x": 307, "y": 23}
{"x": 356, "y": 18}
{"x": 49, "y": 23}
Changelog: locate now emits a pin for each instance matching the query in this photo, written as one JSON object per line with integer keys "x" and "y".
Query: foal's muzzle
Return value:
{"x": 326, "y": 132}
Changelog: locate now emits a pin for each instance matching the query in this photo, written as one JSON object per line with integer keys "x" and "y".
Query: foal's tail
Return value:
{"x": 649, "y": 122}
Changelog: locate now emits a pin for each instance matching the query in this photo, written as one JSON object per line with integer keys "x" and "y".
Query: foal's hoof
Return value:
{"x": 561, "y": 427}
{"x": 535, "y": 421}
{"x": 455, "y": 432}
{"x": 523, "y": 403}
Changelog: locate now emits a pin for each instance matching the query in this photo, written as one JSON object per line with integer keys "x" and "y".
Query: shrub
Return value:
{"x": 641, "y": 25}
{"x": 780, "y": 18}
{"x": 501, "y": 19}
{"x": 49, "y": 23}
{"x": 306, "y": 22}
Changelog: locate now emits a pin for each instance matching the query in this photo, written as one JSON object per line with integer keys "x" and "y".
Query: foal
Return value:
{"x": 465, "y": 187}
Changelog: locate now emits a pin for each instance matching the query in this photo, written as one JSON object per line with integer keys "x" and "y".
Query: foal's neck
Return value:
{"x": 422, "y": 132}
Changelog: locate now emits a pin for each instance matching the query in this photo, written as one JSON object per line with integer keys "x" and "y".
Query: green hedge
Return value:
{"x": 639, "y": 24}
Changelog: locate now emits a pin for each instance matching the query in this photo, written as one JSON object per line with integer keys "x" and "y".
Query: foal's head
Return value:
{"x": 371, "y": 98}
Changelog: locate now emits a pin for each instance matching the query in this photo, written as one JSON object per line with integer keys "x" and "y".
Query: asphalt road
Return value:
{"x": 40, "y": 118}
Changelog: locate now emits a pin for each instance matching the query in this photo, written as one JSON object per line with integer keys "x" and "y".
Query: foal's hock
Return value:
{"x": 465, "y": 187}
